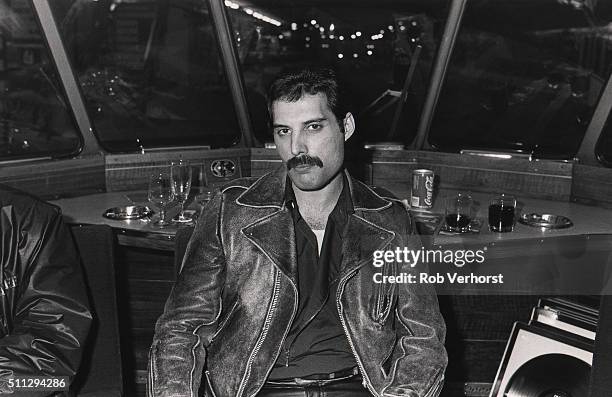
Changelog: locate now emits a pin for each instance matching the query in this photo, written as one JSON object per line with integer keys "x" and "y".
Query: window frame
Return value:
{"x": 587, "y": 152}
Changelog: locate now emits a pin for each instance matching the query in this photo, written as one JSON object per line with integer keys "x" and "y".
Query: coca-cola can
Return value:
{"x": 422, "y": 189}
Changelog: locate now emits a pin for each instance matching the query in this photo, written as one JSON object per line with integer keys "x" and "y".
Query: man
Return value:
{"x": 45, "y": 315}
{"x": 276, "y": 296}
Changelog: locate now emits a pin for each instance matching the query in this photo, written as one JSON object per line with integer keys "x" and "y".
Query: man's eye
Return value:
{"x": 282, "y": 131}
{"x": 314, "y": 127}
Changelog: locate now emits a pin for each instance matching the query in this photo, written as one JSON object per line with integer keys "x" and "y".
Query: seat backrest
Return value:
{"x": 100, "y": 373}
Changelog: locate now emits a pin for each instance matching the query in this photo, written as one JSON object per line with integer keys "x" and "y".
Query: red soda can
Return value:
{"x": 422, "y": 189}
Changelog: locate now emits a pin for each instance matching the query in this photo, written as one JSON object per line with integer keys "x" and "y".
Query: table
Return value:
{"x": 587, "y": 220}
{"x": 142, "y": 233}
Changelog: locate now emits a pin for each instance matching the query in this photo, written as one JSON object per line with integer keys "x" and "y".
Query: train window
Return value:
{"x": 35, "y": 120}
{"x": 150, "y": 72}
{"x": 524, "y": 76}
{"x": 370, "y": 43}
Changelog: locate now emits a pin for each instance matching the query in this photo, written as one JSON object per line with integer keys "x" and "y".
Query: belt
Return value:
{"x": 318, "y": 379}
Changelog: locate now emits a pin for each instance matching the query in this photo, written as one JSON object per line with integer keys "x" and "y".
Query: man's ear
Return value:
{"x": 349, "y": 125}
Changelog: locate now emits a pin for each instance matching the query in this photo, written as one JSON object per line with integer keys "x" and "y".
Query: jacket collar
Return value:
{"x": 274, "y": 233}
{"x": 269, "y": 192}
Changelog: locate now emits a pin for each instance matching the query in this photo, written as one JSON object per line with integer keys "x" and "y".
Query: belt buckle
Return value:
{"x": 322, "y": 382}
{"x": 305, "y": 382}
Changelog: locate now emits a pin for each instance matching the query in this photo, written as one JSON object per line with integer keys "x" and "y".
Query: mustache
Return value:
{"x": 304, "y": 160}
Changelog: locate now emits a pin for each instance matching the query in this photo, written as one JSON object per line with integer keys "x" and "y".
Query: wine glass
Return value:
{"x": 161, "y": 194}
{"x": 181, "y": 184}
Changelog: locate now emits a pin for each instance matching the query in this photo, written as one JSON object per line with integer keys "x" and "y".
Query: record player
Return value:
{"x": 552, "y": 355}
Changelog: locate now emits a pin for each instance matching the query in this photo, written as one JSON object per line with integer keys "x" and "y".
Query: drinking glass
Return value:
{"x": 181, "y": 183}
{"x": 501, "y": 213}
{"x": 459, "y": 212}
{"x": 161, "y": 194}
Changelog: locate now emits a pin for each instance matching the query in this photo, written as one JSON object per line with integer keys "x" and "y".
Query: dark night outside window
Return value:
{"x": 35, "y": 118}
{"x": 150, "y": 72}
{"x": 524, "y": 76}
{"x": 370, "y": 43}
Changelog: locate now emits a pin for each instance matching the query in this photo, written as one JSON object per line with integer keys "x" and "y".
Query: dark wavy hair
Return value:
{"x": 292, "y": 86}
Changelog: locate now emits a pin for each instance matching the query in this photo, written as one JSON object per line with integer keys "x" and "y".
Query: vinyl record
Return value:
{"x": 550, "y": 375}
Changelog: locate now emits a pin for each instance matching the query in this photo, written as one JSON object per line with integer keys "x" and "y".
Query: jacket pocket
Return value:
{"x": 384, "y": 297}
{"x": 224, "y": 321}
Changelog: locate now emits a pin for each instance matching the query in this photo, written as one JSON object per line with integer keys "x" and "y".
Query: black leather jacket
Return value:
{"x": 236, "y": 298}
{"x": 45, "y": 313}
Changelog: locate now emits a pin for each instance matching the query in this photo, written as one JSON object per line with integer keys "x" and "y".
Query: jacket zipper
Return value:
{"x": 150, "y": 382}
{"x": 295, "y": 292}
{"x": 267, "y": 322}
{"x": 435, "y": 390}
{"x": 280, "y": 347}
{"x": 206, "y": 374}
{"x": 264, "y": 332}
{"x": 366, "y": 381}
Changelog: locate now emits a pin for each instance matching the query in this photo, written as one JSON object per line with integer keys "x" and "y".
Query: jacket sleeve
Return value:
{"x": 51, "y": 317}
{"x": 420, "y": 356}
{"x": 178, "y": 352}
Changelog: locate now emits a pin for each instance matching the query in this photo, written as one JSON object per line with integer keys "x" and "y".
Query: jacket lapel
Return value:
{"x": 274, "y": 235}
{"x": 363, "y": 236}
{"x": 361, "y": 240}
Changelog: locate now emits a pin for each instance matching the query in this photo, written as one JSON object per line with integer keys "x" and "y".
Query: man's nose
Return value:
{"x": 298, "y": 145}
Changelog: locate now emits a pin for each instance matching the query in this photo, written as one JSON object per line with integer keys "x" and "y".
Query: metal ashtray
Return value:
{"x": 549, "y": 221}
{"x": 128, "y": 212}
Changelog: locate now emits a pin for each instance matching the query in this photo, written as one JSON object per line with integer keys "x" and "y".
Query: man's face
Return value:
{"x": 309, "y": 140}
